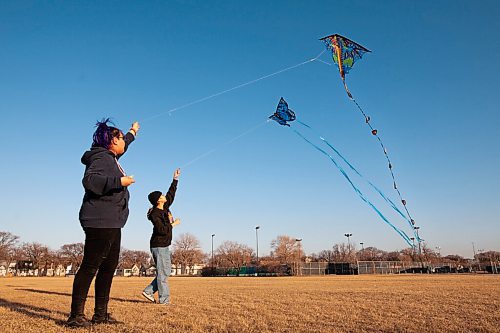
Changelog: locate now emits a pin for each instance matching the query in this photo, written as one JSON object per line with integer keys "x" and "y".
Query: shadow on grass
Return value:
{"x": 46, "y": 292}
{"x": 32, "y": 311}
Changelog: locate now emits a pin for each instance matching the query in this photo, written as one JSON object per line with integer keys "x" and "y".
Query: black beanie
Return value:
{"x": 153, "y": 197}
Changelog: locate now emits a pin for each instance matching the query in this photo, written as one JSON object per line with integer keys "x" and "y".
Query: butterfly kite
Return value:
{"x": 283, "y": 114}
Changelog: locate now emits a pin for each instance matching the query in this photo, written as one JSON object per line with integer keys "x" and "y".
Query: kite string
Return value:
{"x": 233, "y": 88}
{"x": 246, "y": 132}
{"x": 360, "y": 194}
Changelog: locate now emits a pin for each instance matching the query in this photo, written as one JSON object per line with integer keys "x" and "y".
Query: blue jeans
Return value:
{"x": 161, "y": 256}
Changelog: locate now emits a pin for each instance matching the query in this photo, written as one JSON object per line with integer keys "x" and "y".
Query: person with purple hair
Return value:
{"x": 103, "y": 213}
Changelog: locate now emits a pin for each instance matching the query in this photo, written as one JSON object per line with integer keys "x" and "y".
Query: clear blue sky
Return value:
{"x": 430, "y": 85}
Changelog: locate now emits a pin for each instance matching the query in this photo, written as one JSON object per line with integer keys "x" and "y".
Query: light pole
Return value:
{"x": 257, "y": 241}
{"x": 479, "y": 256}
{"x": 419, "y": 247}
{"x": 348, "y": 244}
{"x": 413, "y": 248}
{"x": 438, "y": 248}
{"x": 213, "y": 254}
{"x": 298, "y": 240}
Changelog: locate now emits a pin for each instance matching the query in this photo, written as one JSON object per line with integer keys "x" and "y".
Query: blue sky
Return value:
{"x": 430, "y": 86}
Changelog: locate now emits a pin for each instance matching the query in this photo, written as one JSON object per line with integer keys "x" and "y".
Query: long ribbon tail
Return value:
{"x": 388, "y": 200}
{"x": 358, "y": 192}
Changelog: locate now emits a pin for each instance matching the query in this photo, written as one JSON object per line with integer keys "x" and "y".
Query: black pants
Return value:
{"x": 101, "y": 253}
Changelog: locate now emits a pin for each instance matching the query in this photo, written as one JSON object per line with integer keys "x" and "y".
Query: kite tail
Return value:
{"x": 347, "y": 89}
{"x": 389, "y": 201}
{"x": 374, "y": 132}
{"x": 360, "y": 194}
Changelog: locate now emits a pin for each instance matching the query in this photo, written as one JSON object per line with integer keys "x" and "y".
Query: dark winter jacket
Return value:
{"x": 105, "y": 203}
{"x": 162, "y": 229}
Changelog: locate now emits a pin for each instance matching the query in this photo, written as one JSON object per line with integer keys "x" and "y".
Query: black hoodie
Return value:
{"x": 105, "y": 203}
{"x": 162, "y": 229}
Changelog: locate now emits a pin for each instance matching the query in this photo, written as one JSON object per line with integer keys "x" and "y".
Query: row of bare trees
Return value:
{"x": 187, "y": 253}
{"x": 11, "y": 250}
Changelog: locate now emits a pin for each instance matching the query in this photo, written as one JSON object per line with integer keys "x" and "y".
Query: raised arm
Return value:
{"x": 130, "y": 136}
{"x": 170, "y": 195}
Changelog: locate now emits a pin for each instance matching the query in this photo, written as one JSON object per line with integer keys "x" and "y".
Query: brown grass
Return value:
{"x": 411, "y": 303}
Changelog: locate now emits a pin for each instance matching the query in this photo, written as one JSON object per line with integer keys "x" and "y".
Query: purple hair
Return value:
{"x": 104, "y": 134}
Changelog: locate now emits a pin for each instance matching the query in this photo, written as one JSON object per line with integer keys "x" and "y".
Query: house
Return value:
{"x": 3, "y": 270}
{"x": 151, "y": 271}
{"x": 189, "y": 270}
{"x": 135, "y": 270}
{"x": 128, "y": 271}
{"x": 58, "y": 271}
{"x": 11, "y": 269}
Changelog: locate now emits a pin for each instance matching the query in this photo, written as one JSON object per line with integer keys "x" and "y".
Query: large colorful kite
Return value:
{"x": 345, "y": 53}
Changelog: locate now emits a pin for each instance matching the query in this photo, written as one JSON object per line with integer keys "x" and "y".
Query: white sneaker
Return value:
{"x": 150, "y": 298}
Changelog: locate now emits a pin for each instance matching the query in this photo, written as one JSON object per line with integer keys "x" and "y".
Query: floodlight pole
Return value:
{"x": 413, "y": 248}
{"x": 213, "y": 254}
{"x": 257, "y": 241}
{"x": 438, "y": 248}
{"x": 419, "y": 247}
{"x": 348, "y": 243}
{"x": 299, "y": 240}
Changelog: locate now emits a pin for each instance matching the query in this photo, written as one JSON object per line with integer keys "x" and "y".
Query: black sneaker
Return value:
{"x": 78, "y": 321}
{"x": 105, "y": 319}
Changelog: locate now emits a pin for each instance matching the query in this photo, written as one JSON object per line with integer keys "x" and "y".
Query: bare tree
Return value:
{"x": 187, "y": 252}
{"x": 285, "y": 249}
{"x": 341, "y": 252}
{"x": 373, "y": 254}
{"x": 37, "y": 253}
{"x": 428, "y": 254}
{"x": 408, "y": 254}
{"x": 322, "y": 256}
{"x": 235, "y": 255}
{"x": 72, "y": 254}
{"x": 392, "y": 256}
{"x": 129, "y": 258}
{"x": 8, "y": 242}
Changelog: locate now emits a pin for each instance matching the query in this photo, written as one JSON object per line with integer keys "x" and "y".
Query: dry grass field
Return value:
{"x": 411, "y": 303}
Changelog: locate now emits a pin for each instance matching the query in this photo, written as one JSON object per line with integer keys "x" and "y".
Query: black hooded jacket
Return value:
{"x": 162, "y": 229}
{"x": 105, "y": 203}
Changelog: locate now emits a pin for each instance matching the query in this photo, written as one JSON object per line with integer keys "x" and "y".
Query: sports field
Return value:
{"x": 410, "y": 303}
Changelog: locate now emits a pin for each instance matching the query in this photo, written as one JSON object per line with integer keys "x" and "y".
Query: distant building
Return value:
{"x": 189, "y": 270}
